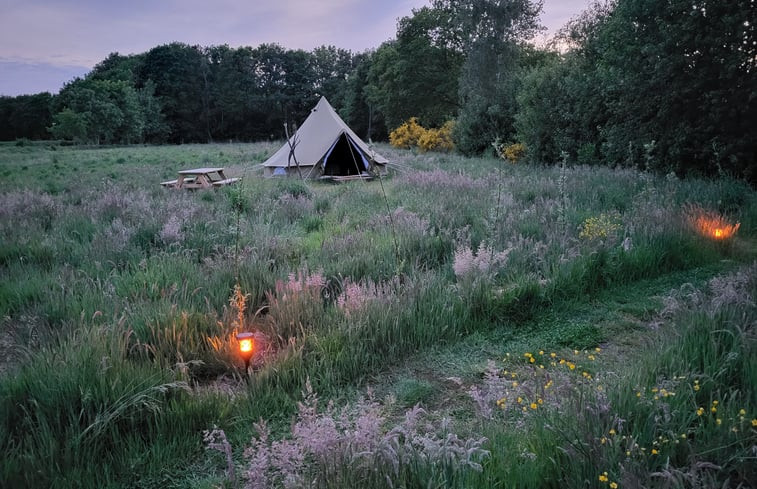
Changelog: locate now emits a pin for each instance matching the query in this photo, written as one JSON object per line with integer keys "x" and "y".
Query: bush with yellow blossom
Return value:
{"x": 411, "y": 134}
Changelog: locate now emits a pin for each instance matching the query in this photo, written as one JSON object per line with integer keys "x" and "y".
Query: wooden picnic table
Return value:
{"x": 200, "y": 178}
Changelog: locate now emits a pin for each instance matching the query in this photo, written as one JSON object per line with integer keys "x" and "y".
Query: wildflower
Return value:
{"x": 571, "y": 366}
{"x": 696, "y": 387}
{"x": 540, "y": 401}
{"x": 597, "y": 349}
{"x": 754, "y": 423}
{"x": 714, "y": 409}
{"x": 683, "y": 436}
{"x": 534, "y": 405}
{"x": 541, "y": 352}
{"x": 715, "y": 403}
{"x": 603, "y": 477}
{"x": 638, "y": 394}
{"x": 591, "y": 357}
{"x": 553, "y": 354}
{"x": 603, "y": 440}
{"x": 531, "y": 360}
{"x": 700, "y": 411}
{"x": 719, "y": 421}
{"x": 742, "y": 412}
{"x": 515, "y": 384}
{"x": 628, "y": 453}
{"x": 575, "y": 352}
{"x": 613, "y": 485}
{"x": 612, "y": 431}
{"x": 520, "y": 400}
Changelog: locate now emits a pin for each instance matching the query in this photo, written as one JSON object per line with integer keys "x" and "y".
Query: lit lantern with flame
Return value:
{"x": 711, "y": 224}
{"x": 246, "y": 348}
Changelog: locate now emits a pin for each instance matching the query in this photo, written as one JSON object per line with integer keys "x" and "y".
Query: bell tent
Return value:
{"x": 324, "y": 147}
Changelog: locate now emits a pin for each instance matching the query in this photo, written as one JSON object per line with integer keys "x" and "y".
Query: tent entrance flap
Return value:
{"x": 344, "y": 158}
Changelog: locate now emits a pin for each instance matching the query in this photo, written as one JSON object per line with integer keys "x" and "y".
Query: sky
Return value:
{"x": 45, "y": 43}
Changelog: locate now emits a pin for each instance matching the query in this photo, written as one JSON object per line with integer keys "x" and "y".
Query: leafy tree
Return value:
{"x": 181, "y": 79}
{"x": 490, "y": 32}
{"x": 360, "y": 107}
{"x": 331, "y": 67}
{"x": 25, "y": 116}
{"x": 417, "y": 75}
{"x": 70, "y": 125}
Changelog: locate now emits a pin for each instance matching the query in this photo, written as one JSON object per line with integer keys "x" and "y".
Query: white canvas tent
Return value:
{"x": 324, "y": 146}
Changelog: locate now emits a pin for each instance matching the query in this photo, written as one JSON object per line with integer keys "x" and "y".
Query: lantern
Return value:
{"x": 246, "y": 348}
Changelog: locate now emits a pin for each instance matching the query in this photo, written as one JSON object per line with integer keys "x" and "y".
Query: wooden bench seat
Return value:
{"x": 172, "y": 183}
{"x": 227, "y": 181}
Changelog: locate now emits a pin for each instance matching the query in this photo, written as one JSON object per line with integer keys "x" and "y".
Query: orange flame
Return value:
{"x": 246, "y": 345}
{"x": 711, "y": 224}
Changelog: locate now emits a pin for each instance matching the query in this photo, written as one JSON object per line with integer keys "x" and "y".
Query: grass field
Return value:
{"x": 458, "y": 323}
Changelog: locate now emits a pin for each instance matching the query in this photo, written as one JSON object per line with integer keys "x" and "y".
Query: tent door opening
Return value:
{"x": 344, "y": 158}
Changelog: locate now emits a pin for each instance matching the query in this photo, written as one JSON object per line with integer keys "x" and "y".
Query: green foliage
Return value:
{"x": 122, "y": 288}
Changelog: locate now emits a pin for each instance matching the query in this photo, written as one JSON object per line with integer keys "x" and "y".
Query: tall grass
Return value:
{"x": 114, "y": 290}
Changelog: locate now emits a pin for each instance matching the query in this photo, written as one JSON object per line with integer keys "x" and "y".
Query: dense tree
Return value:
{"x": 25, "y": 116}
{"x": 491, "y": 32}
{"x": 417, "y": 74}
{"x": 180, "y": 74}
{"x": 666, "y": 85}
{"x": 360, "y": 110}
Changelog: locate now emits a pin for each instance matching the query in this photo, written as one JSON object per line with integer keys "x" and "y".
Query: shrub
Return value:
{"x": 437, "y": 139}
{"x": 509, "y": 152}
{"x": 411, "y": 134}
{"x": 407, "y": 135}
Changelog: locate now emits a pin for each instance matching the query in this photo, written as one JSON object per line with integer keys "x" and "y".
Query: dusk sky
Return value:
{"x": 45, "y": 43}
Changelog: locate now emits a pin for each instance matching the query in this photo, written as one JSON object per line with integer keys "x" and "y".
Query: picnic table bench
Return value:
{"x": 200, "y": 178}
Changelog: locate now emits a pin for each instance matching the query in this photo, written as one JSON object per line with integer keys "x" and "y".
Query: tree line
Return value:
{"x": 668, "y": 86}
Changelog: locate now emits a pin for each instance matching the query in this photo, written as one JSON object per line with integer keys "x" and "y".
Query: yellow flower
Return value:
{"x": 540, "y": 401}
{"x": 597, "y": 349}
{"x": 541, "y": 352}
{"x": 612, "y": 431}
{"x": 571, "y": 366}
{"x": 719, "y": 421}
{"x": 714, "y": 409}
{"x": 628, "y": 453}
{"x": 527, "y": 355}
{"x": 520, "y": 400}
{"x": 603, "y": 440}
{"x": 515, "y": 384}
{"x": 700, "y": 411}
{"x": 531, "y": 359}
{"x": 696, "y": 387}
{"x": 715, "y": 403}
{"x": 638, "y": 394}
{"x": 683, "y": 436}
{"x": 742, "y": 412}
{"x": 613, "y": 485}
{"x": 754, "y": 423}
{"x": 591, "y": 357}
{"x": 534, "y": 405}
{"x": 603, "y": 477}
{"x": 654, "y": 451}
{"x": 553, "y": 354}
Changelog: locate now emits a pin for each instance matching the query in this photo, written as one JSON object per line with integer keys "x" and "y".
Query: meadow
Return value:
{"x": 460, "y": 322}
